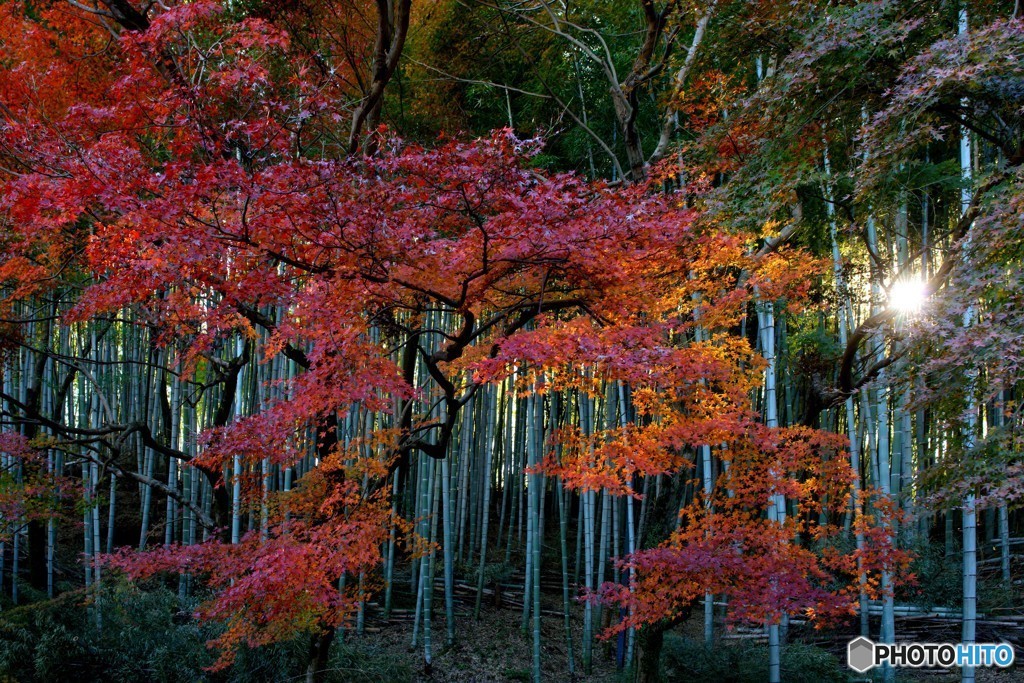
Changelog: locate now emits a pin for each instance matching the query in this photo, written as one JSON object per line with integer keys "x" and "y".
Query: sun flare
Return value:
{"x": 907, "y": 296}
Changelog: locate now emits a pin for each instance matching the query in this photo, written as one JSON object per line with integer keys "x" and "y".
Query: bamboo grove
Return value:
{"x": 272, "y": 344}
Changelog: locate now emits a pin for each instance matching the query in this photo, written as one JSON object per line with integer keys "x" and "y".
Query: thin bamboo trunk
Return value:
{"x": 970, "y": 520}
{"x": 236, "y": 463}
{"x": 489, "y": 448}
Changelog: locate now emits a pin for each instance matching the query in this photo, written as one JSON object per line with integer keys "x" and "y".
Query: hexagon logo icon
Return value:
{"x": 860, "y": 654}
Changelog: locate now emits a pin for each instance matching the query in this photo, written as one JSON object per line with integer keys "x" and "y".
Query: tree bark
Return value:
{"x": 319, "y": 655}
{"x": 649, "y": 643}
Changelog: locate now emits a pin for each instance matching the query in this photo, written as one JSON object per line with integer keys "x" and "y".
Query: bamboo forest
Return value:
{"x": 511, "y": 340}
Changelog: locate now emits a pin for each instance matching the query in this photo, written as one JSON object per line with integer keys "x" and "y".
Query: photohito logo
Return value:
{"x": 863, "y": 654}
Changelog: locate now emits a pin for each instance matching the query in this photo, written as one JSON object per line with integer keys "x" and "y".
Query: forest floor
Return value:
{"x": 495, "y": 649}
{"x": 489, "y": 650}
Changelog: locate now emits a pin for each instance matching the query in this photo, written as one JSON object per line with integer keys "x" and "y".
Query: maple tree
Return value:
{"x": 464, "y": 229}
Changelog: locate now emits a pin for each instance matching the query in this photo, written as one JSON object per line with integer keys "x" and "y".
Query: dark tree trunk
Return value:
{"x": 625, "y": 113}
{"x": 37, "y": 554}
{"x": 319, "y": 655}
{"x": 649, "y": 641}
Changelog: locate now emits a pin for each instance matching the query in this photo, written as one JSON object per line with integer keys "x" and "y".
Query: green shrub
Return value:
{"x": 149, "y": 635}
{"x": 746, "y": 662}
{"x": 142, "y": 636}
{"x": 361, "y": 662}
{"x": 939, "y": 578}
